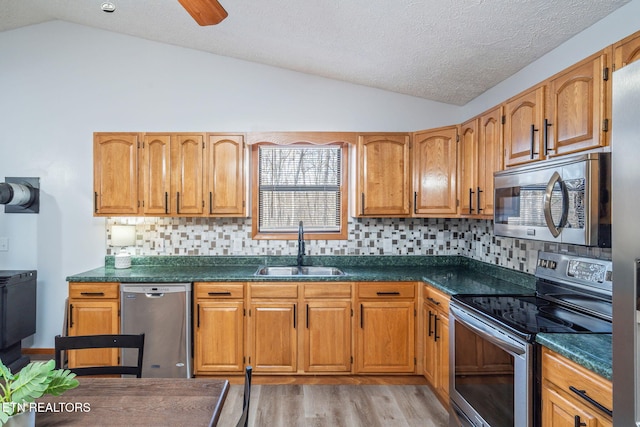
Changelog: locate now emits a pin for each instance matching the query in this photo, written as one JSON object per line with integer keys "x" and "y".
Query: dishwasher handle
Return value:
{"x": 154, "y": 294}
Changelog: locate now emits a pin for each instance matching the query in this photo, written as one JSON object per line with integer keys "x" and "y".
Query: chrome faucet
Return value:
{"x": 300, "y": 244}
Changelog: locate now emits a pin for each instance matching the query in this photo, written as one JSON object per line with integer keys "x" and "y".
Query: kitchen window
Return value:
{"x": 299, "y": 182}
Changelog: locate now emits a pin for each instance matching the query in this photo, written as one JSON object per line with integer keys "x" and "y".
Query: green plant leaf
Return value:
{"x": 31, "y": 382}
{"x": 3, "y": 418}
{"x": 61, "y": 381}
{"x": 5, "y": 372}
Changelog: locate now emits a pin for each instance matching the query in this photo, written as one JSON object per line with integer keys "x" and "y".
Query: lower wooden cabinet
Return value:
{"x": 218, "y": 327}
{"x": 572, "y": 395}
{"x": 93, "y": 309}
{"x": 273, "y": 325}
{"x": 386, "y": 332}
{"x": 435, "y": 315}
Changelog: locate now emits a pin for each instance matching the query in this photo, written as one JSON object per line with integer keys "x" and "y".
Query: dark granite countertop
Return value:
{"x": 593, "y": 351}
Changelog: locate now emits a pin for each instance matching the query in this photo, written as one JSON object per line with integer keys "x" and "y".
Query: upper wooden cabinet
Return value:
{"x": 565, "y": 114}
{"x": 382, "y": 175}
{"x": 626, "y": 51}
{"x": 165, "y": 174}
{"x": 225, "y": 171}
{"x": 480, "y": 155}
{"x": 115, "y": 173}
{"x": 434, "y": 172}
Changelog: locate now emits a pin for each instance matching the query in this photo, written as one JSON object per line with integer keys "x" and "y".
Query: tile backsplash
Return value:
{"x": 367, "y": 236}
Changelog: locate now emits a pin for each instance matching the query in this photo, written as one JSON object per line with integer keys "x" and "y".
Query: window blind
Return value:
{"x": 300, "y": 183}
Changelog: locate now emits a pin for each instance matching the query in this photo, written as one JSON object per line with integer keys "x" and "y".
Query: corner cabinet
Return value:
{"x": 434, "y": 172}
{"x": 115, "y": 174}
{"x": 435, "y": 315}
{"x": 218, "y": 349}
{"x": 382, "y": 175}
{"x": 626, "y": 51}
{"x": 386, "y": 327}
{"x": 572, "y": 395}
{"x": 93, "y": 309}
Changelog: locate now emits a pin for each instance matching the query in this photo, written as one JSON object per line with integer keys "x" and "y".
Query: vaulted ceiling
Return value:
{"x": 443, "y": 50}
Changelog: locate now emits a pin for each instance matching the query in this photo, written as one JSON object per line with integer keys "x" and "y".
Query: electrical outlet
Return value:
{"x": 4, "y": 244}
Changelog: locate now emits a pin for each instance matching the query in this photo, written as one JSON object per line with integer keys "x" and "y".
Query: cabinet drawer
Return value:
{"x": 274, "y": 290}
{"x": 436, "y": 298}
{"x": 386, "y": 290}
{"x": 94, "y": 290}
{"x": 219, "y": 290}
{"x": 327, "y": 290}
{"x": 565, "y": 375}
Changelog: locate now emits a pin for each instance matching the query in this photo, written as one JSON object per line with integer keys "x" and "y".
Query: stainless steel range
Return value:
{"x": 494, "y": 362}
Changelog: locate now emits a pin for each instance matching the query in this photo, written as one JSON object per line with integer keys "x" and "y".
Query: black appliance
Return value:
{"x": 573, "y": 295}
{"x": 17, "y": 315}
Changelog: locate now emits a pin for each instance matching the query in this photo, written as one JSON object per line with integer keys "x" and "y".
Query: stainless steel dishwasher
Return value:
{"x": 162, "y": 311}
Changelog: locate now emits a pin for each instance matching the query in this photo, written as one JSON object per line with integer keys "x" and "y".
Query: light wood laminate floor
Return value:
{"x": 302, "y": 405}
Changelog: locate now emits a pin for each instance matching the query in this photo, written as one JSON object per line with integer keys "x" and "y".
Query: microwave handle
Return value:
{"x": 555, "y": 229}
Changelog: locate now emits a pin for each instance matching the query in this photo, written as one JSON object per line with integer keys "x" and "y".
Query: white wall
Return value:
{"x": 60, "y": 82}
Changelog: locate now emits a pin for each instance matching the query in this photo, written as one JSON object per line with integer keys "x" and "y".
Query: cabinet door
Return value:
{"x": 327, "y": 336}
{"x": 468, "y": 155}
{"x": 523, "y": 117}
{"x": 490, "y": 158}
{"x": 274, "y": 336}
{"x": 577, "y": 108}
{"x": 115, "y": 173}
{"x": 93, "y": 317}
{"x": 435, "y": 170}
{"x": 156, "y": 174}
{"x": 626, "y": 51}
{"x": 383, "y": 175}
{"x": 219, "y": 336}
{"x": 558, "y": 411}
{"x": 187, "y": 174}
{"x": 442, "y": 341}
{"x": 386, "y": 337}
{"x": 225, "y": 175}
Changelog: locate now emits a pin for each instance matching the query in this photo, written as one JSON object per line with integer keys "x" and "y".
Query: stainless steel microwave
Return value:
{"x": 566, "y": 200}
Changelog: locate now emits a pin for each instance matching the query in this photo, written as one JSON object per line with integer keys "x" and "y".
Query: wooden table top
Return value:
{"x": 135, "y": 402}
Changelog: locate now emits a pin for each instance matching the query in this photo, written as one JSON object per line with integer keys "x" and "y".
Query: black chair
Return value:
{"x": 244, "y": 419}
{"x": 101, "y": 341}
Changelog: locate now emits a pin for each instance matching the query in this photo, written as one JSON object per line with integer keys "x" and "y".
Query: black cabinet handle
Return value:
{"x": 361, "y": 317}
{"x": 70, "y": 315}
{"x": 307, "y": 316}
{"x": 95, "y": 201}
{"x": 387, "y": 293}
{"x": 577, "y": 422}
{"x": 92, "y": 294}
{"x": 178, "y": 202}
{"x": 415, "y": 202}
{"x": 429, "y": 328}
{"x": 294, "y": 316}
{"x": 362, "y": 200}
{"x": 546, "y": 136}
{"x": 198, "y": 318}
{"x": 210, "y": 202}
{"x": 219, "y": 294}
{"x": 470, "y": 201}
{"x": 433, "y": 301}
{"x": 478, "y": 208}
{"x": 435, "y": 328}
{"x": 583, "y": 394}
{"x": 166, "y": 202}
{"x": 533, "y": 134}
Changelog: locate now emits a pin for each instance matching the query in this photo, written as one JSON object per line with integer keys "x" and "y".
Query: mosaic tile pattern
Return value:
{"x": 367, "y": 236}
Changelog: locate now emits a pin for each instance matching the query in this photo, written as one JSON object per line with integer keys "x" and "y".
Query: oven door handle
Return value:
{"x": 556, "y": 229}
{"x": 486, "y": 331}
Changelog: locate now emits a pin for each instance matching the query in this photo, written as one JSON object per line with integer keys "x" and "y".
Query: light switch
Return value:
{"x": 4, "y": 244}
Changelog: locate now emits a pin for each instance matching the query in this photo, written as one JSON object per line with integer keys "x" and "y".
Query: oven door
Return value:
{"x": 491, "y": 372}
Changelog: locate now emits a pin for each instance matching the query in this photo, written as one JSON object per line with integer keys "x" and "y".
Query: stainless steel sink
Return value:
{"x": 299, "y": 271}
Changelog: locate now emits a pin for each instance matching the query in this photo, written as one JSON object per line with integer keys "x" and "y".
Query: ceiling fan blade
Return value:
{"x": 205, "y": 12}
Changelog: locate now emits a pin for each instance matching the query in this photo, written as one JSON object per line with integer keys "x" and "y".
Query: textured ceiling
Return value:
{"x": 443, "y": 50}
